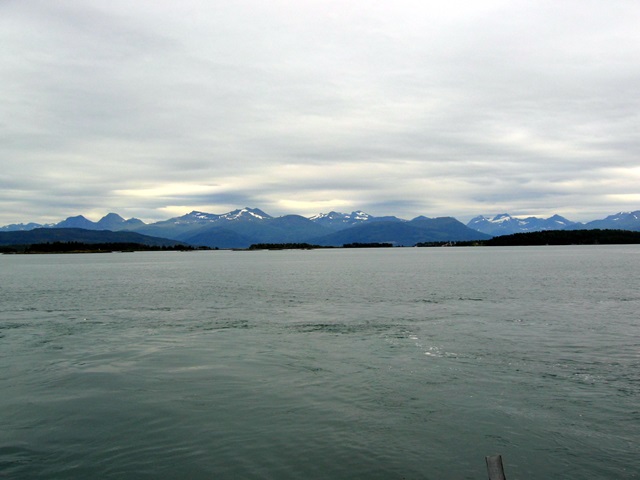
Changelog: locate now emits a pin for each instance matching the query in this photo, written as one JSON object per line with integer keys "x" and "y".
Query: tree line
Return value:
{"x": 81, "y": 247}
{"x": 551, "y": 237}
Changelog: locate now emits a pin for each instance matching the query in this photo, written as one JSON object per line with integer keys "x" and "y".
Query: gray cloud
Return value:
{"x": 152, "y": 109}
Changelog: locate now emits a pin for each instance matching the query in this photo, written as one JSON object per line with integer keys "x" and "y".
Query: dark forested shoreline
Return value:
{"x": 551, "y": 237}
{"x": 80, "y": 247}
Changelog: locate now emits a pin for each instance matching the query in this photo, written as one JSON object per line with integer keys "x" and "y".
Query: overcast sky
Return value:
{"x": 152, "y": 109}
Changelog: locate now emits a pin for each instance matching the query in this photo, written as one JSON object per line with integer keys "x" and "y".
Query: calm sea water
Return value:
{"x": 326, "y": 364}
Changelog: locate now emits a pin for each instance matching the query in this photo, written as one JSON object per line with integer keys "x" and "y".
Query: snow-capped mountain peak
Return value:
{"x": 332, "y": 215}
{"x": 624, "y": 216}
{"x": 620, "y": 220}
{"x": 339, "y": 220}
{"x": 196, "y": 216}
{"x": 246, "y": 214}
{"x": 239, "y": 214}
{"x": 501, "y": 218}
{"x": 360, "y": 215}
{"x": 505, "y": 224}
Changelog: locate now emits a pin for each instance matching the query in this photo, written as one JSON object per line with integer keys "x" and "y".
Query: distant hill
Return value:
{"x": 219, "y": 238}
{"x": 420, "y": 229}
{"x": 292, "y": 229}
{"x": 242, "y": 234}
{"x": 50, "y": 235}
{"x": 20, "y": 227}
{"x": 77, "y": 222}
{"x": 111, "y": 221}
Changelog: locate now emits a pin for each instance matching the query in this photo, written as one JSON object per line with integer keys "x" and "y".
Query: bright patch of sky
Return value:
{"x": 152, "y": 109}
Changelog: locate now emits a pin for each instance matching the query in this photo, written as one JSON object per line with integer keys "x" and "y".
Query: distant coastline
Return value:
{"x": 243, "y": 228}
{"x": 79, "y": 247}
{"x": 551, "y": 237}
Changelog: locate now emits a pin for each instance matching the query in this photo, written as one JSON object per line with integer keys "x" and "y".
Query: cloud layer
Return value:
{"x": 153, "y": 109}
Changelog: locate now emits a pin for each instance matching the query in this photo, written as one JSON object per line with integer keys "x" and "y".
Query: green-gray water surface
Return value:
{"x": 326, "y": 364}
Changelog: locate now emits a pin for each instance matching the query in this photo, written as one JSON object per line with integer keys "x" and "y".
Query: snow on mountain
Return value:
{"x": 620, "y": 220}
{"x": 21, "y": 227}
{"x": 359, "y": 215}
{"x": 197, "y": 217}
{"x": 624, "y": 216}
{"x": 245, "y": 218}
{"x": 191, "y": 217}
{"x": 197, "y": 224}
{"x": 339, "y": 220}
{"x": 558, "y": 220}
{"x": 505, "y": 224}
{"x": 202, "y": 217}
{"x": 246, "y": 214}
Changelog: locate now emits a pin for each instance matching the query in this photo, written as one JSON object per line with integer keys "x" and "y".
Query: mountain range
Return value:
{"x": 243, "y": 227}
{"x": 505, "y": 224}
